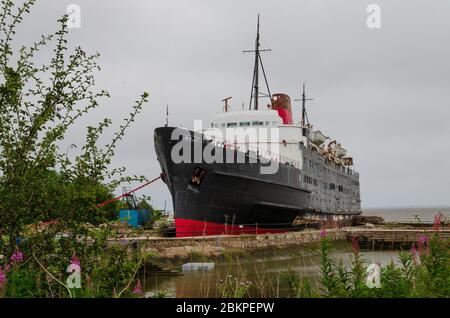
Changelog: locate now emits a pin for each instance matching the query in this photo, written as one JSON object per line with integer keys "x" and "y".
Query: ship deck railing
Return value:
{"x": 256, "y": 152}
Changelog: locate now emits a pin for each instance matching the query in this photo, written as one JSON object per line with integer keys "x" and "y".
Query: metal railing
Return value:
{"x": 258, "y": 152}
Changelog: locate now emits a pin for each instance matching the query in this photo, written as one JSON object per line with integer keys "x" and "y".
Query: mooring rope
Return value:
{"x": 127, "y": 193}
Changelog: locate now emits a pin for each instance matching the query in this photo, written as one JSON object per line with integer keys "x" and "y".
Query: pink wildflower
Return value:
{"x": 75, "y": 261}
{"x": 413, "y": 250}
{"x": 138, "y": 288}
{"x": 17, "y": 257}
{"x": 437, "y": 221}
{"x": 3, "y": 278}
{"x": 423, "y": 240}
{"x": 323, "y": 233}
{"x": 423, "y": 244}
{"x": 415, "y": 254}
{"x": 355, "y": 244}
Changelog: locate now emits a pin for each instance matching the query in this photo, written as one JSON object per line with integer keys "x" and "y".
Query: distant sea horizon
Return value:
{"x": 408, "y": 213}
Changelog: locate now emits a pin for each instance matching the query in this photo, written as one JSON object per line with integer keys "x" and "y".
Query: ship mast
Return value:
{"x": 304, "y": 113}
{"x": 255, "y": 94}
{"x": 167, "y": 115}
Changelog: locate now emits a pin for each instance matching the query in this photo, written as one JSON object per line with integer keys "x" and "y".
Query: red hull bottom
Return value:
{"x": 186, "y": 227}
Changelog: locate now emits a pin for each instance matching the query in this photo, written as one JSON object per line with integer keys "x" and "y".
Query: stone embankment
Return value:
{"x": 392, "y": 238}
{"x": 217, "y": 245}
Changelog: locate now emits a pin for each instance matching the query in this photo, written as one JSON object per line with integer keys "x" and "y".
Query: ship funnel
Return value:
{"x": 282, "y": 104}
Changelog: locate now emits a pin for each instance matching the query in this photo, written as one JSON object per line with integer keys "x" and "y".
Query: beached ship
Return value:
{"x": 293, "y": 176}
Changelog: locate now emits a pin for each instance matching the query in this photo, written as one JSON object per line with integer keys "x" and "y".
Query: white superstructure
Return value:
{"x": 261, "y": 131}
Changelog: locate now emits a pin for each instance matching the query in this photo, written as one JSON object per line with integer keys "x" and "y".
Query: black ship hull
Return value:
{"x": 232, "y": 198}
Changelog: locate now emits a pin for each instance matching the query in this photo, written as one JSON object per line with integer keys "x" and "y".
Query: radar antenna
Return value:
{"x": 226, "y": 103}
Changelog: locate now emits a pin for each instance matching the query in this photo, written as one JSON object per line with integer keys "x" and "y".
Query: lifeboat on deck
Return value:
{"x": 339, "y": 151}
{"x": 317, "y": 137}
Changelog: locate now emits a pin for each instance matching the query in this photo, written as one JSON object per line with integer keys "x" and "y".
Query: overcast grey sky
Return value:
{"x": 383, "y": 93}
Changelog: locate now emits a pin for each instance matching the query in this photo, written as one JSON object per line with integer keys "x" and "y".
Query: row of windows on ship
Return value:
{"x": 244, "y": 124}
{"x": 309, "y": 163}
{"x": 325, "y": 185}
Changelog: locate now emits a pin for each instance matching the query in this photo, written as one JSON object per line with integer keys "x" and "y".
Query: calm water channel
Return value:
{"x": 264, "y": 270}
